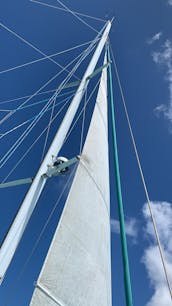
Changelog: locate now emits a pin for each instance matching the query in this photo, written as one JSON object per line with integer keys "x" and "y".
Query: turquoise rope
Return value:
{"x": 127, "y": 281}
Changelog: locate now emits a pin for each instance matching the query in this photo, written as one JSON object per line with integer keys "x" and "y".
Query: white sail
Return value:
{"x": 77, "y": 269}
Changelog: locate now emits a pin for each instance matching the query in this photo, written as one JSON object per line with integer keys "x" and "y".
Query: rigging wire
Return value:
{"x": 14, "y": 128}
{"x": 34, "y": 94}
{"x": 73, "y": 126}
{"x": 28, "y": 96}
{"x": 25, "y": 122}
{"x": 76, "y": 16}
{"x": 142, "y": 177}
{"x": 37, "y": 103}
{"x": 14, "y": 147}
{"x": 34, "y": 47}
{"x": 65, "y": 10}
{"x": 44, "y": 58}
{"x": 48, "y": 130}
{"x": 33, "y": 144}
{"x": 40, "y": 235}
{"x": 82, "y": 56}
{"x": 21, "y": 138}
{"x": 83, "y": 123}
{"x": 75, "y": 122}
{"x": 10, "y": 152}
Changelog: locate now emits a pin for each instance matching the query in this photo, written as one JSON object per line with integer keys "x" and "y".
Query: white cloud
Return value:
{"x": 164, "y": 58}
{"x": 131, "y": 227}
{"x": 151, "y": 259}
{"x": 155, "y": 37}
{"x": 170, "y": 2}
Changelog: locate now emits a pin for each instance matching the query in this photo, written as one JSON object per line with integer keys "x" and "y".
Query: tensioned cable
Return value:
{"x": 14, "y": 147}
{"x": 40, "y": 235}
{"x": 14, "y": 128}
{"x": 82, "y": 55}
{"x": 142, "y": 177}
{"x": 10, "y": 152}
{"x": 27, "y": 121}
{"x": 33, "y": 47}
{"x": 35, "y": 103}
{"x": 83, "y": 123}
{"x": 63, "y": 9}
{"x": 75, "y": 122}
{"x": 18, "y": 142}
{"x": 76, "y": 16}
{"x": 48, "y": 130}
{"x": 44, "y": 58}
{"x": 28, "y": 96}
{"x": 34, "y": 94}
{"x": 32, "y": 104}
{"x": 42, "y": 101}
{"x": 33, "y": 144}
{"x": 24, "y": 123}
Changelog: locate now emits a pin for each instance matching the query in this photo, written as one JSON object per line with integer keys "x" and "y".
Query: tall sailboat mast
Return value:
{"x": 20, "y": 222}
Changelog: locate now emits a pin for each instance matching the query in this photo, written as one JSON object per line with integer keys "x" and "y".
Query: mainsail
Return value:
{"x": 77, "y": 269}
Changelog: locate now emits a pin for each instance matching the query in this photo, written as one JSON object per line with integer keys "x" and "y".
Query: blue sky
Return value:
{"x": 141, "y": 38}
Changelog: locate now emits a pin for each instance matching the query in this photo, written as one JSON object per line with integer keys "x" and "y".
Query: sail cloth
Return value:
{"x": 77, "y": 269}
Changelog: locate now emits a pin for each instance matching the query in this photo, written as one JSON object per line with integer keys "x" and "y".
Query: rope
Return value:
{"x": 48, "y": 130}
{"x": 142, "y": 177}
{"x": 41, "y": 102}
{"x": 10, "y": 152}
{"x": 40, "y": 236}
{"x": 83, "y": 55}
{"x": 83, "y": 123}
{"x": 65, "y": 10}
{"x": 75, "y": 122}
{"x": 14, "y": 128}
{"x": 33, "y": 144}
{"x": 77, "y": 17}
{"x": 25, "y": 122}
{"x": 28, "y": 96}
{"x": 14, "y": 147}
{"x": 43, "y": 58}
{"x": 34, "y": 48}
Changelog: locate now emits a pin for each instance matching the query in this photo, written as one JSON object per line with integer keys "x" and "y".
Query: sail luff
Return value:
{"x": 19, "y": 224}
{"x": 77, "y": 269}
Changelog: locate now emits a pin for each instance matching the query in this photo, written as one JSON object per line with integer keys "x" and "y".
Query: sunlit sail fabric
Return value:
{"x": 77, "y": 269}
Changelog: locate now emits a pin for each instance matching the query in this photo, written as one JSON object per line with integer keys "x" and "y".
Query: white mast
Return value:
{"x": 77, "y": 269}
{"x": 19, "y": 224}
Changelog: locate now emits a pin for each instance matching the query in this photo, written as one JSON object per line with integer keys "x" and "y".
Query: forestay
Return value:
{"x": 77, "y": 269}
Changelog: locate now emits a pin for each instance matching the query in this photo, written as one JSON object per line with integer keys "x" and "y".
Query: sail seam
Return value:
{"x": 48, "y": 294}
{"x": 98, "y": 188}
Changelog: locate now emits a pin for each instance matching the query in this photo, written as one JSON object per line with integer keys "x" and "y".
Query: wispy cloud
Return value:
{"x": 164, "y": 59}
{"x": 154, "y": 38}
{"x": 131, "y": 227}
{"x": 151, "y": 259}
{"x": 170, "y": 2}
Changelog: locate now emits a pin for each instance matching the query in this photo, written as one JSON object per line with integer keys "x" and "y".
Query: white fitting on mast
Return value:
{"x": 20, "y": 222}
